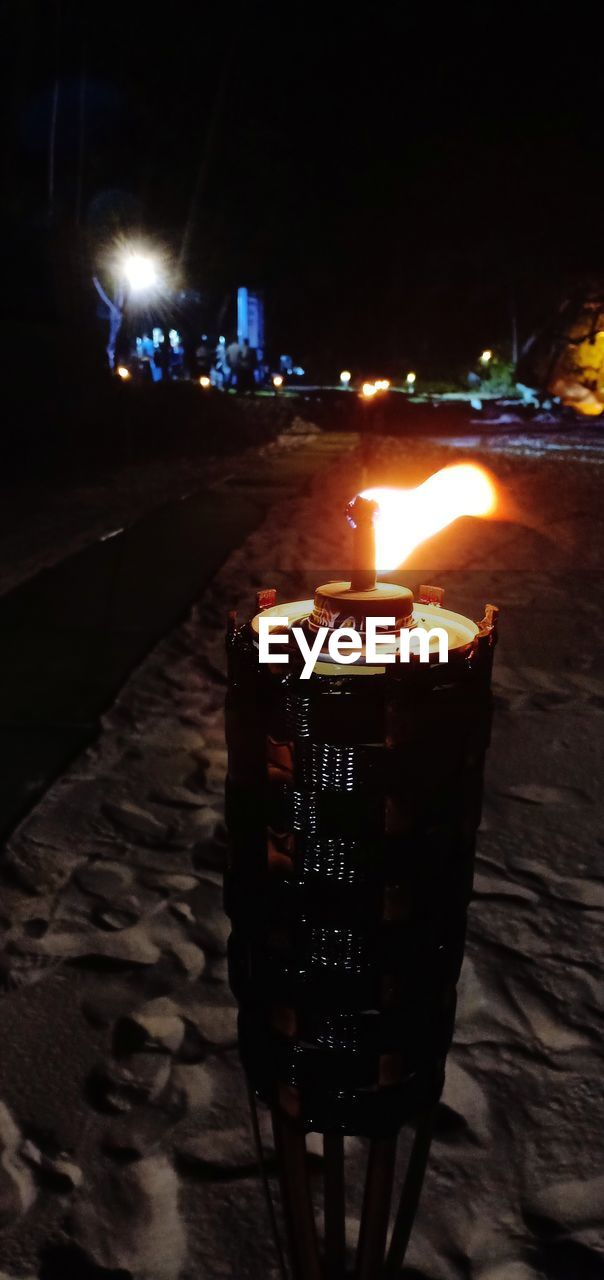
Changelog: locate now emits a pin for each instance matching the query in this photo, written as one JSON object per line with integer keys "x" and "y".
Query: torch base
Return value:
{"x": 313, "y": 1258}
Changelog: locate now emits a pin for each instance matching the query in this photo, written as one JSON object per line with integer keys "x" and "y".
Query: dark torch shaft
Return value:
{"x": 360, "y": 514}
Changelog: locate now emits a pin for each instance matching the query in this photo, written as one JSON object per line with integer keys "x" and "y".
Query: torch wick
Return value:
{"x": 360, "y": 514}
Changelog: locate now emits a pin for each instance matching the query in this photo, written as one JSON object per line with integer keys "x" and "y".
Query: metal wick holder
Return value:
{"x": 353, "y": 801}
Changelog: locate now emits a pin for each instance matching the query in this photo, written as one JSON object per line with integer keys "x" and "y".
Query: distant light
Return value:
{"x": 410, "y": 379}
{"x": 382, "y": 384}
{"x": 345, "y": 376}
{"x": 204, "y": 381}
{"x": 140, "y": 271}
{"x": 123, "y": 372}
{"x": 589, "y": 408}
{"x": 368, "y": 390}
{"x": 277, "y": 381}
{"x": 486, "y": 356}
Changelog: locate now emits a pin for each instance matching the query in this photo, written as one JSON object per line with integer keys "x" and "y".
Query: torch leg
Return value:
{"x": 266, "y": 1185}
{"x": 290, "y": 1147}
{"x": 412, "y": 1188}
{"x": 376, "y": 1208}
{"x": 334, "y": 1206}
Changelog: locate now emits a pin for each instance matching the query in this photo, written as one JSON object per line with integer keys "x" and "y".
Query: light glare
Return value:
{"x": 140, "y": 271}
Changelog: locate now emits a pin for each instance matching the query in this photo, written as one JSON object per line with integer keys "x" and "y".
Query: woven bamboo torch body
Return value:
{"x": 353, "y": 802}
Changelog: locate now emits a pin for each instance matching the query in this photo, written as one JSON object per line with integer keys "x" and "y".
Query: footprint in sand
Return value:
{"x": 493, "y": 886}
{"x": 485, "y": 1011}
{"x": 576, "y": 1202}
{"x": 575, "y": 891}
{"x": 537, "y": 793}
{"x": 464, "y": 1108}
{"x": 507, "y": 1271}
{"x": 539, "y": 1012}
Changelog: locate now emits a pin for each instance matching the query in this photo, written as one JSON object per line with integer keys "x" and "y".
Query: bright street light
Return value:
{"x": 135, "y": 273}
{"x": 369, "y": 389}
{"x": 486, "y": 356}
{"x": 277, "y": 381}
{"x": 345, "y": 377}
{"x": 204, "y": 381}
{"x": 123, "y": 372}
{"x": 139, "y": 271}
{"x": 410, "y": 379}
{"x": 382, "y": 384}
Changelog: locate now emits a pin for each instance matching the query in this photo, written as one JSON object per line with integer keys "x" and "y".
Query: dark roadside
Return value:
{"x": 72, "y": 632}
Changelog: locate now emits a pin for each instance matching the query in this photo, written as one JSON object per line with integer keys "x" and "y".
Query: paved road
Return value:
{"x": 70, "y": 636}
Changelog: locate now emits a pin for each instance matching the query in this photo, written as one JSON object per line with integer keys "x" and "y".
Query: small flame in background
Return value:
{"x": 407, "y": 517}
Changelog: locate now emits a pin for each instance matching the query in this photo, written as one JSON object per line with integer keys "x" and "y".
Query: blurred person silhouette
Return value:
{"x": 221, "y": 368}
{"x": 233, "y": 355}
{"x": 165, "y": 357}
{"x": 203, "y": 358}
{"x": 247, "y": 364}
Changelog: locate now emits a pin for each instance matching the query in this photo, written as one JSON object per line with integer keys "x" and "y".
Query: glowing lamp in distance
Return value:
{"x": 277, "y": 381}
{"x": 123, "y": 372}
{"x": 486, "y": 356}
{"x": 410, "y": 379}
{"x": 368, "y": 390}
{"x": 345, "y": 377}
{"x": 139, "y": 271}
{"x": 204, "y": 381}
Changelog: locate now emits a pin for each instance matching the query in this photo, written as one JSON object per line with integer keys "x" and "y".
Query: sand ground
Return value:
{"x": 125, "y": 1147}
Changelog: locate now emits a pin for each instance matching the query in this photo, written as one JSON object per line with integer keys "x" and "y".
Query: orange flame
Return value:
{"x": 407, "y": 517}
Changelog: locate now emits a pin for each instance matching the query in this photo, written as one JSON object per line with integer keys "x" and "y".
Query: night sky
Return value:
{"x": 397, "y": 182}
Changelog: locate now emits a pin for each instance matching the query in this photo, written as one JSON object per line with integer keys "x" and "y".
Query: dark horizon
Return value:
{"x": 398, "y": 189}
